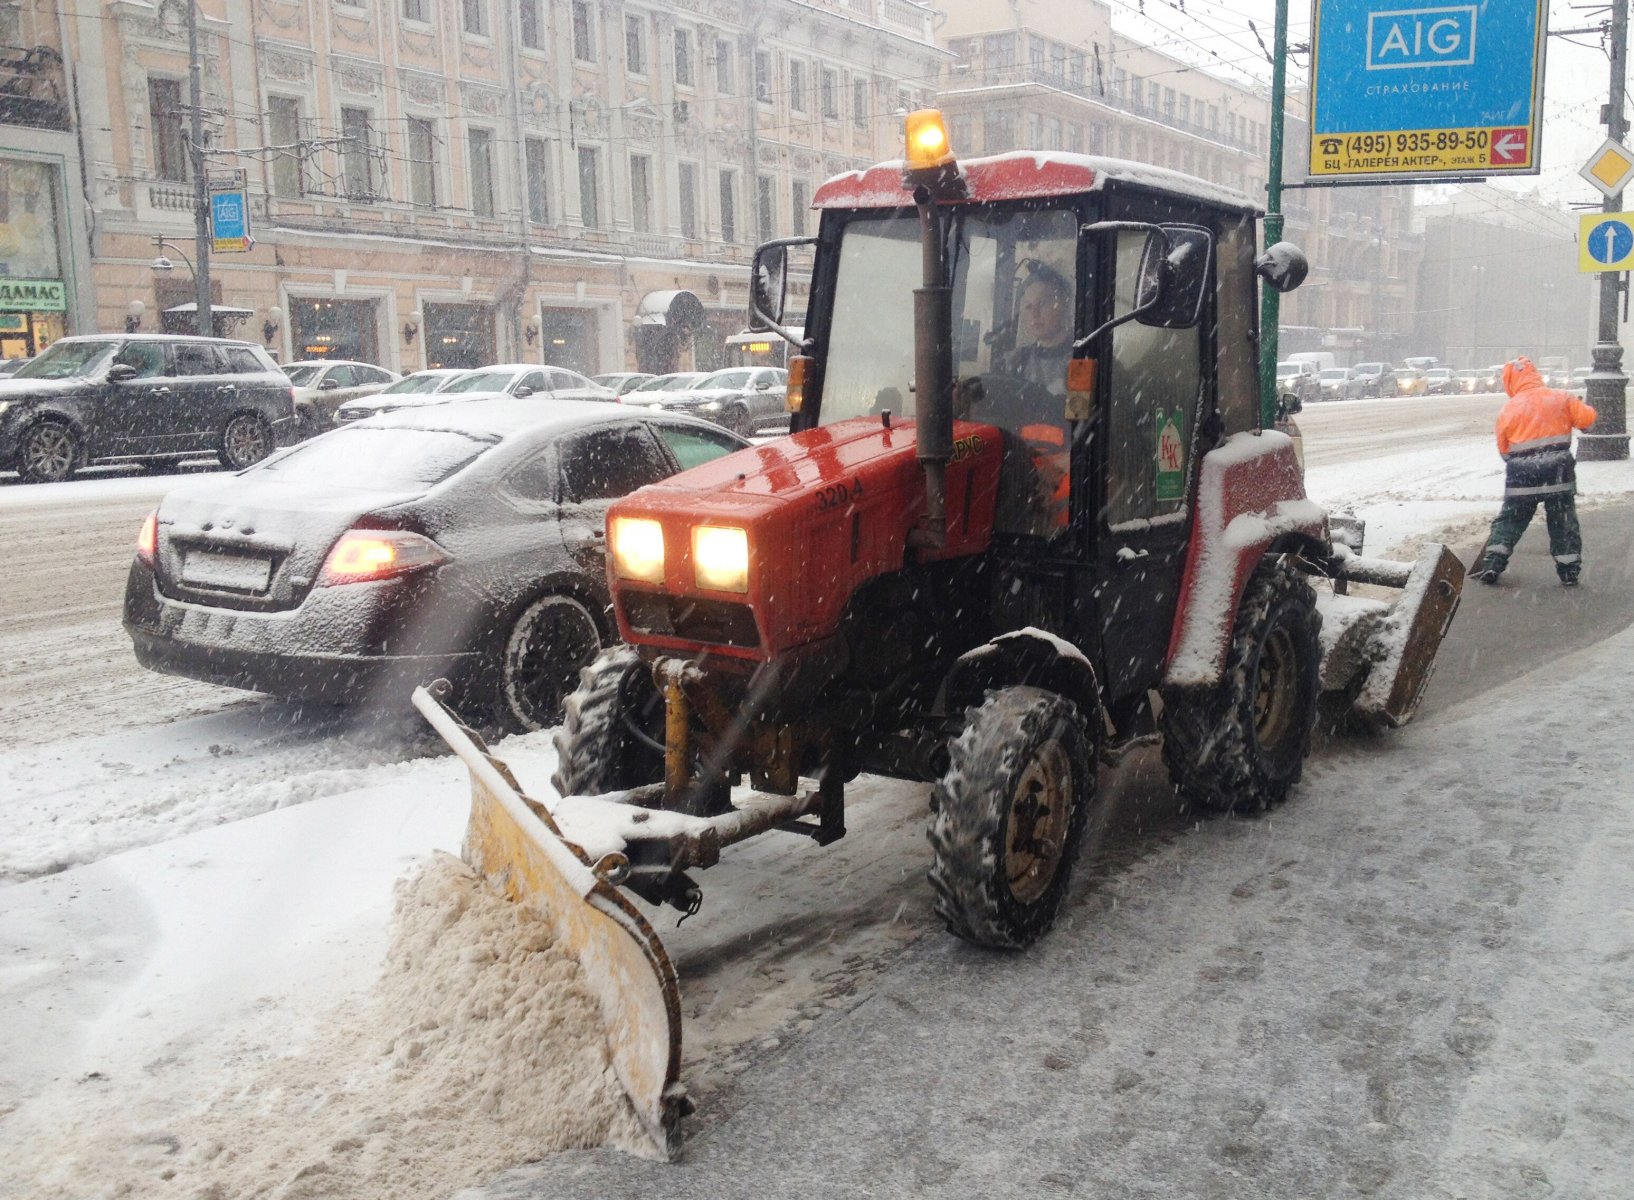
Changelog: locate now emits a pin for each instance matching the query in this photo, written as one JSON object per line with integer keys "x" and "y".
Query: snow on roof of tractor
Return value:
{"x": 1022, "y": 175}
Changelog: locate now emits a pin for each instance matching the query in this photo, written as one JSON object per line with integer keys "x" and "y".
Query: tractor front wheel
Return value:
{"x": 612, "y": 733}
{"x": 1010, "y": 815}
{"x": 1240, "y": 745}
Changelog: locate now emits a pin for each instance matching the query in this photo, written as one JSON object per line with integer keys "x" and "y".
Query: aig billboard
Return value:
{"x": 1404, "y": 91}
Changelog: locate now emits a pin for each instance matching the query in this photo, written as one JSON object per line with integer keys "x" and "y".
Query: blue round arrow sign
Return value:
{"x": 1610, "y": 241}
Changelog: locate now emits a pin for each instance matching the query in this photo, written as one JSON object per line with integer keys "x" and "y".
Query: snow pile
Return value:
{"x": 479, "y": 1049}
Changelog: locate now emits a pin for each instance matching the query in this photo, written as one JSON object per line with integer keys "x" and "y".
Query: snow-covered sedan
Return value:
{"x": 530, "y": 379}
{"x": 422, "y": 387}
{"x": 460, "y": 541}
{"x": 323, "y": 385}
{"x": 743, "y": 399}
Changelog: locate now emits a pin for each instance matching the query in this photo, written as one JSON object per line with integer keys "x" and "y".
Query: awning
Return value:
{"x": 679, "y": 310}
{"x": 192, "y": 306}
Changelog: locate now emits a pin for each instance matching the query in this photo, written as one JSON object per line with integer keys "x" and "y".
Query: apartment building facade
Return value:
{"x": 453, "y": 182}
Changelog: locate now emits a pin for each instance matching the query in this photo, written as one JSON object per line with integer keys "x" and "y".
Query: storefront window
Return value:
{"x": 459, "y": 335}
{"x": 569, "y": 336}
{"x": 335, "y": 329}
{"x": 33, "y": 297}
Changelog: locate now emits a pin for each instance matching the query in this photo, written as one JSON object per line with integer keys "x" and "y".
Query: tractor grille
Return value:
{"x": 716, "y": 622}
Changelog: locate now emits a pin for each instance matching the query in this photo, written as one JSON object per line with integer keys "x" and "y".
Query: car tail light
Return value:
{"x": 147, "y": 539}
{"x": 367, "y": 554}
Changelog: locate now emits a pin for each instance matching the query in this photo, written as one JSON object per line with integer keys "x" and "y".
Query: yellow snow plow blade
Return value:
{"x": 514, "y": 842}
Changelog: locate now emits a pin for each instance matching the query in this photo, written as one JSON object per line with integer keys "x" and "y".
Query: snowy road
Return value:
{"x": 99, "y": 760}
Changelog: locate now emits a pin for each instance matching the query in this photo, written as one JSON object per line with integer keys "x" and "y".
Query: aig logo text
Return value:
{"x": 1421, "y": 37}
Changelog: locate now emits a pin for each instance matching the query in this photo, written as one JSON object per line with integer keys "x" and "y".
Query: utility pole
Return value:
{"x": 201, "y": 183}
{"x": 1607, "y": 385}
{"x": 1270, "y": 298}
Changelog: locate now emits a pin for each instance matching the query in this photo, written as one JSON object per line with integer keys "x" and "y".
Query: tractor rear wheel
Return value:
{"x": 1240, "y": 745}
{"x": 1010, "y": 814}
{"x": 612, "y": 733}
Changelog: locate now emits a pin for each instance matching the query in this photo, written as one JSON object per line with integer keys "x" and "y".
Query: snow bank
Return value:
{"x": 478, "y": 1049}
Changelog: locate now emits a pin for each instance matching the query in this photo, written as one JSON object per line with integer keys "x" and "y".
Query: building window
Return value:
{"x": 830, "y": 95}
{"x": 799, "y": 201}
{"x": 1035, "y": 54}
{"x": 859, "y": 103}
{"x": 1168, "y": 103}
{"x": 416, "y": 10}
{"x": 482, "y": 172}
{"x": 641, "y": 193}
{"x": 1185, "y": 110}
{"x": 357, "y": 159}
{"x": 1058, "y": 63}
{"x": 766, "y": 207}
{"x": 999, "y": 50}
{"x": 538, "y": 181}
{"x": 688, "y": 175}
{"x": 683, "y": 58}
{"x": 1154, "y": 95}
{"x": 998, "y": 133}
{"x": 284, "y": 128}
{"x": 635, "y": 45}
{"x": 763, "y": 76}
{"x": 1136, "y": 93}
{"x": 797, "y": 86}
{"x": 584, "y": 46}
{"x": 962, "y": 132}
{"x": 1077, "y": 72}
{"x": 165, "y": 129}
{"x": 533, "y": 27}
{"x": 724, "y": 83}
{"x": 422, "y": 147}
{"x": 1119, "y": 79}
{"x": 474, "y": 17}
{"x": 589, "y": 189}
{"x": 729, "y": 207}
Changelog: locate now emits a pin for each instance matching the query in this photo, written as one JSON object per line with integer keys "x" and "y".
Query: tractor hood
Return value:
{"x": 823, "y": 511}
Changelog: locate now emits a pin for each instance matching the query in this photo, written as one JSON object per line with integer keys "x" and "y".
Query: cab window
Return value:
{"x": 1156, "y": 388}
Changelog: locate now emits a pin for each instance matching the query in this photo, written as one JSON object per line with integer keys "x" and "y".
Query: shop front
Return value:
{"x": 459, "y": 335}
{"x": 33, "y": 296}
{"x": 323, "y": 328}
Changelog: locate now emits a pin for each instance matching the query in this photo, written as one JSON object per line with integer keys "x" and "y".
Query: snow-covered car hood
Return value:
{"x": 24, "y": 389}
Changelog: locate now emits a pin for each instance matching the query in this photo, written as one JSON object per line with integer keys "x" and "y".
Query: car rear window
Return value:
{"x": 380, "y": 459}
{"x": 243, "y": 361}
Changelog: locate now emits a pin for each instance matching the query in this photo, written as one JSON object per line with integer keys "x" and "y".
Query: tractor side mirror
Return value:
{"x": 1174, "y": 276}
{"x": 1283, "y": 266}
{"x": 768, "y": 287}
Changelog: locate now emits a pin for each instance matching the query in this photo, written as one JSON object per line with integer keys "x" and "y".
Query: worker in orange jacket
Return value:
{"x": 1535, "y": 439}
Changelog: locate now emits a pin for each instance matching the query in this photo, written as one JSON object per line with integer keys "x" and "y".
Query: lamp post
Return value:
{"x": 163, "y": 266}
{"x": 1477, "y": 271}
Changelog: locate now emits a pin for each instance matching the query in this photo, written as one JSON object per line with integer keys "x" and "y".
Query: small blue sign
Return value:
{"x": 230, "y": 221}
{"x": 1610, "y": 241}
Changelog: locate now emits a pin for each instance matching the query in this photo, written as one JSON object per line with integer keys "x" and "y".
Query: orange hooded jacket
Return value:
{"x": 1537, "y": 417}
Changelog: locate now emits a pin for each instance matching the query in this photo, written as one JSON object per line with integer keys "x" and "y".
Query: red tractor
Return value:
{"x": 1026, "y": 516}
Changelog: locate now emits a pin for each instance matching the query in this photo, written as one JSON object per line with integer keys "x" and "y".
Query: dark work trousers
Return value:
{"x": 1549, "y": 477}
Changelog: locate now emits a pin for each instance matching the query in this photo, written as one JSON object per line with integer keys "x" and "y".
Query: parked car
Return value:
{"x": 1578, "y": 380}
{"x": 1298, "y": 378}
{"x": 1492, "y": 378}
{"x": 1408, "y": 382}
{"x": 1438, "y": 381}
{"x": 460, "y": 541}
{"x": 422, "y": 387}
{"x": 323, "y": 385}
{"x": 1468, "y": 381}
{"x": 622, "y": 381}
{"x": 150, "y": 399}
{"x": 743, "y": 399}
{"x": 1371, "y": 379}
{"x": 527, "y": 379}
{"x": 10, "y": 366}
{"x": 1334, "y": 384}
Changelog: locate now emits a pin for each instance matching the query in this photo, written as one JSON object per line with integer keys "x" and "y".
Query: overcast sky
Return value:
{"x": 1216, "y": 33}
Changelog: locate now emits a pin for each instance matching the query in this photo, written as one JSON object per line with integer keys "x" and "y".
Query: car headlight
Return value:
{"x": 720, "y": 558}
{"x": 710, "y": 406}
{"x": 4, "y": 405}
{"x": 638, "y": 549}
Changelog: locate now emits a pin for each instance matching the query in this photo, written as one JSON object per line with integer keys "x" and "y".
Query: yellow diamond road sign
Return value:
{"x": 1610, "y": 168}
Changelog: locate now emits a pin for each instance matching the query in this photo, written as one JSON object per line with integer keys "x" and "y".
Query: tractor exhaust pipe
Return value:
{"x": 933, "y": 373}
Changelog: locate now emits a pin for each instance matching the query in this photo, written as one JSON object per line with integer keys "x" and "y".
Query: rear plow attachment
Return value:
{"x": 1382, "y": 653}
{"x": 516, "y": 843}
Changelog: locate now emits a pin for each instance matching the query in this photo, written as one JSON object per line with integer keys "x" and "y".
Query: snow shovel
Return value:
{"x": 514, "y": 842}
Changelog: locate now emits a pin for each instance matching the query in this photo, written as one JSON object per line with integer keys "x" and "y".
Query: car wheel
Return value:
{"x": 245, "y": 442}
{"x": 550, "y": 642}
{"x": 48, "y": 452}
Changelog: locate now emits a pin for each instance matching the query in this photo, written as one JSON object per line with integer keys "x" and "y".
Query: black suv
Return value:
{"x": 146, "y": 399}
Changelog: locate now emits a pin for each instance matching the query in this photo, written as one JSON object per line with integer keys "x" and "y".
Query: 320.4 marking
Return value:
{"x": 836, "y": 494}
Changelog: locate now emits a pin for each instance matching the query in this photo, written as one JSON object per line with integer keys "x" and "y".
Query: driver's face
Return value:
{"x": 1046, "y": 316}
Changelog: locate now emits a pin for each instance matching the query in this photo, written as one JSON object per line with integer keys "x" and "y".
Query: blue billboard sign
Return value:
{"x": 230, "y": 217}
{"x": 1415, "y": 91}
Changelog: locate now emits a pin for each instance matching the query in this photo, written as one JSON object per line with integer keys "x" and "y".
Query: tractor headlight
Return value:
{"x": 720, "y": 558}
{"x": 638, "y": 549}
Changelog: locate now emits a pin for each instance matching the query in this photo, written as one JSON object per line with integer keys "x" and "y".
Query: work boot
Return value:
{"x": 1568, "y": 576}
{"x": 1491, "y": 567}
